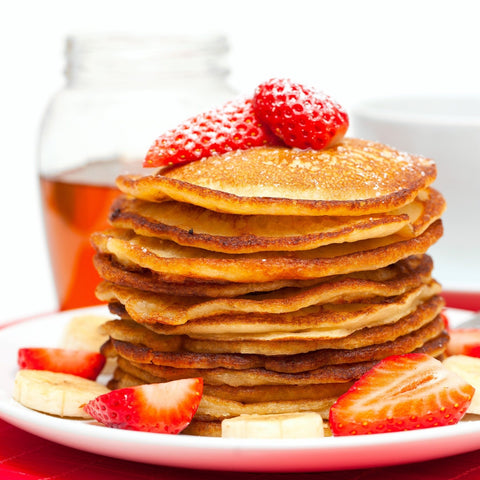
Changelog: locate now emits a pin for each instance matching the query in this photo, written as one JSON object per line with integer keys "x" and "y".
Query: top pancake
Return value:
{"x": 355, "y": 177}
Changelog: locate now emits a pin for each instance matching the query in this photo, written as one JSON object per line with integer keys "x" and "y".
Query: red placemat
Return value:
{"x": 27, "y": 457}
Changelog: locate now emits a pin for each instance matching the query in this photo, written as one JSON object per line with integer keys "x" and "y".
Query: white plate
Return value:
{"x": 217, "y": 453}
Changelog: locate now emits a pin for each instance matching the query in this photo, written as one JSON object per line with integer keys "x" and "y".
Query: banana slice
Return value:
{"x": 83, "y": 333}
{"x": 469, "y": 369}
{"x": 59, "y": 394}
{"x": 287, "y": 425}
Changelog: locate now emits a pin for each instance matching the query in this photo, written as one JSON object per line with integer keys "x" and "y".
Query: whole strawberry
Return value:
{"x": 234, "y": 126}
{"x": 301, "y": 116}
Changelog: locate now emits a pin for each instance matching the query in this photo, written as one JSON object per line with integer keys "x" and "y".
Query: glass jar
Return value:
{"x": 121, "y": 92}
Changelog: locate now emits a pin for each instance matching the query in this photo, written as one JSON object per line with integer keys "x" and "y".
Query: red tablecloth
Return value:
{"x": 28, "y": 457}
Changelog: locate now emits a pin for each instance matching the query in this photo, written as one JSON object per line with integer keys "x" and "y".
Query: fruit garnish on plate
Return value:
{"x": 281, "y": 112}
{"x": 160, "y": 407}
{"x": 402, "y": 392}
{"x": 469, "y": 369}
{"x": 82, "y": 333}
{"x": 445, "y": 319}
{"x": 301, "y": 116}
{"x": 272, "y": 426}
{"x": 464, "y": 341}
{"x": 82, "y": 363}
{"x": 55, "y": 393}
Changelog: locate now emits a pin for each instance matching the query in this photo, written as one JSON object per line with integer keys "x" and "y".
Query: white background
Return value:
{"x": 353, "y": 50}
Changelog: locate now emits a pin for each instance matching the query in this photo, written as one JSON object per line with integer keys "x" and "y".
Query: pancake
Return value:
{"x": 315, "y": 322}
{"x": 338, "y": 373}
{"x": 174, "y": 260}
{"x": 129, "y": 375}
{"x": 355, "y": 177}
{"x": 260, "y": 376}
{"x": 194, "y": 226}
{"x": 143, "y": 353}
{"x": 226, "y": 397}
{"x": 171, "y": 309}
{"x": 130, "y": 331}
{"x": 144, "y": 279}
{"x": 217, "y": 408}
{"x": 213, "y": 408}
{"x": 204, "y": 429}
{"x": 425, "y": 312}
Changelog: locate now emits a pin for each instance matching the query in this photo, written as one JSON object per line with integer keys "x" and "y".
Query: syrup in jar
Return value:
{"x": 121, "y": 92}
{"x": 76, "y": 204}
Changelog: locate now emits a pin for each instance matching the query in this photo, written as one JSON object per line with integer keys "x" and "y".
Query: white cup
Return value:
{"x": 447, "y": 130}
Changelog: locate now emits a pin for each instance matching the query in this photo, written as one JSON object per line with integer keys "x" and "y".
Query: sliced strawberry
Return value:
{"x": 446, "y": 322}
{"x": 464, "y": 341}
{"x": 402, "y": 392}
{"x": 234, "y": 126}
{"x": 472, "y": 350}
{"x": 159, "y": 407}
{"x": 302, "y": 117}
{"x": 81, "y": 363}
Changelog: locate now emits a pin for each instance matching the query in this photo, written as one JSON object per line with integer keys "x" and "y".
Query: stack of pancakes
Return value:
{"x": 277, "y": 275}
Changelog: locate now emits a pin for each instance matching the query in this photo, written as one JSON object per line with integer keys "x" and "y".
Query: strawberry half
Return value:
{"x": 302, "y": 117}
{"x": 234, "y": 126}
{"x": 81, "y": 363}
{"x": 464, "y": 341}
{"x": 159, "y": 407}
{"x": 446, "y": 321}
{"x": 402, "y": 392}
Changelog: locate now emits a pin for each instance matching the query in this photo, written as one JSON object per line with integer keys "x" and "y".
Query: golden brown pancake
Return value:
{"x": 355, "y": 177}
{"x": 148, "y": 307}
{"x": 204, "y": 429}
{"x": 315, "y": 322}
{"x": 367, "y": 336}
{"x": 174, "y": 260}
{"x": 129, "y": 373}
{"x": 194, "y": 226}
{"x": 224, "y": 401}
{"x": 214, "y": 408}
{"x": 260, "y": 376}
{"x": 338, "y": 373}
{"x": 148, "y": 280}
{"x": 217, "y": 408}
{"x": 130, "y": 331}
{"x": 144, "y": 279}
{"x": 142, "y": 353}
